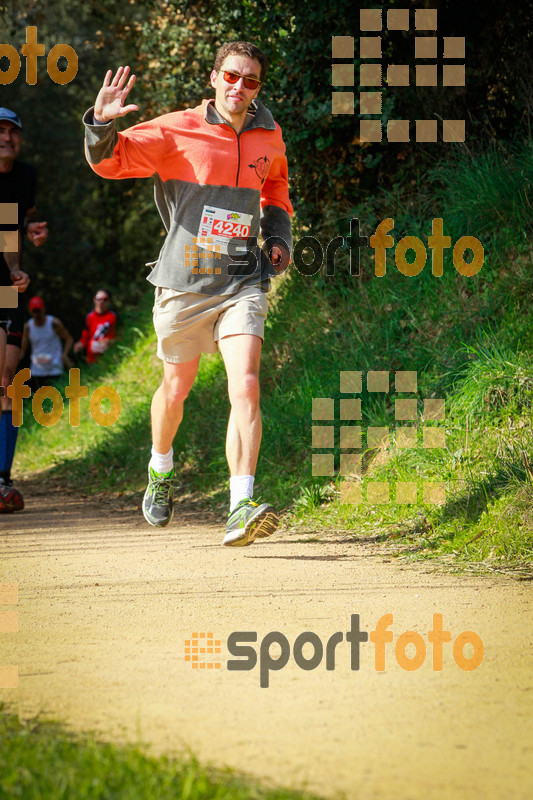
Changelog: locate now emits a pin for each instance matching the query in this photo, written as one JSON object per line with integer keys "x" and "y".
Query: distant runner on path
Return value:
{"x": 99, "y": 329}
{"x": 220, "y": 175}
{"x": 50, "y": 345}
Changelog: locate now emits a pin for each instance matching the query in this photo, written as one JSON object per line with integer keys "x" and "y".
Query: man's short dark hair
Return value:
{"x": 241, "y": 49}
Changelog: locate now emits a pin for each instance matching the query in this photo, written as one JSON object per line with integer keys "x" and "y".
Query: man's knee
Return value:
{"x": 8, "y": 373}
{"x": 176, "y": 389}
{"x": 11, "y": 361}
{"x": 7, "y": 379}
{"x": 244, "y": 389}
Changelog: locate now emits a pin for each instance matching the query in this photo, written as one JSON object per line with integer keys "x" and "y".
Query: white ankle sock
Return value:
{"x": 240, "y": 486}
{"x": 162, "y": 463}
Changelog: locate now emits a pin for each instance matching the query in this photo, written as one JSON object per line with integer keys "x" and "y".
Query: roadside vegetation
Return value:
{"x": 41, "y": 760}
{"x": 469, "y": 340}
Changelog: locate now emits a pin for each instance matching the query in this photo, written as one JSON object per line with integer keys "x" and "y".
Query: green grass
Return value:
{"x": 485, "y": 467}
{"x": 42, "y": 761}
{"x": 468, "y": 339}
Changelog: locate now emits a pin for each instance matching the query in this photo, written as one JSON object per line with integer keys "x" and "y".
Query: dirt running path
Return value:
{"x": 106, "y": 604}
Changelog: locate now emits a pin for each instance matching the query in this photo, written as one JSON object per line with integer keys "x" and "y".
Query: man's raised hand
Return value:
{"x": 110, "y": 101}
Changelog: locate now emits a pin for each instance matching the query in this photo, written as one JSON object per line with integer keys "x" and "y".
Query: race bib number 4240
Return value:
{"x": 220, "y": 225}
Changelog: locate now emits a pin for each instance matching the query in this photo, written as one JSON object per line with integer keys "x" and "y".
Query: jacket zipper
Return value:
{"x": 238, "y": 157}
{"x": 238, "y": 151}
{"x": 238, "y": 135}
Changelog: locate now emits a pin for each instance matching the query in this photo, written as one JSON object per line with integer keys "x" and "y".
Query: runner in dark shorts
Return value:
{"x": 17, "y": 186}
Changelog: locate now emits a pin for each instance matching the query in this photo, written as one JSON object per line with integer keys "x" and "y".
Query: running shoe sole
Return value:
{"x": 264, "y": 523}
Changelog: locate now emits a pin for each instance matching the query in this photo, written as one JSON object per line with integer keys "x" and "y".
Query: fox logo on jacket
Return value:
{"x": 261, "y": 166}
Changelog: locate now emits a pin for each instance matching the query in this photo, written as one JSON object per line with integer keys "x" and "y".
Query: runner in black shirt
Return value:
{"x": 17, "y": 185}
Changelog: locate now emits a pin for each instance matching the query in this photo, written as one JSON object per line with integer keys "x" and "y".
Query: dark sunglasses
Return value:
{"x": 104, "y": 299}
{"x": 233, "y": 77}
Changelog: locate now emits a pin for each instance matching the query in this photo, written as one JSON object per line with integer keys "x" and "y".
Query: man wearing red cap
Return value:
{"x": 50, "y": 344}
{"x": 17, "y": 186}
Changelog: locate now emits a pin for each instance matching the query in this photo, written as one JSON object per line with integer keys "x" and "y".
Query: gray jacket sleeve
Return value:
{"x": 100, "y": 138}
{"x": 276, "y": 227}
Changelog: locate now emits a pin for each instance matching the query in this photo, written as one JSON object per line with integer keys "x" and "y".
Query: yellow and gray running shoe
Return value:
{"x": 249, "y": 521}
{"x": 157, "y": 502}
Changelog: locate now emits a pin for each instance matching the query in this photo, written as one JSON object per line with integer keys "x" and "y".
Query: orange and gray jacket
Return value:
{"x": 198, "y": 162}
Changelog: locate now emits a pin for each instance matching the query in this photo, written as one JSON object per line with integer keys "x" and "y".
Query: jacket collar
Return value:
{"x": 262, "y": 118}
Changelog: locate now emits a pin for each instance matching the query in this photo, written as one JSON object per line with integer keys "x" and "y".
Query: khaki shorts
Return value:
{"x": 187, "y": 323}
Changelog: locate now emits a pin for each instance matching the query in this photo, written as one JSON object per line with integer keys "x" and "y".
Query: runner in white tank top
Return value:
{"x": 50, "y": 344}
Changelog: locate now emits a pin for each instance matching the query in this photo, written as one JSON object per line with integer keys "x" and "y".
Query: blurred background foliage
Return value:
{"x": 105, "y": 231}
{"x": 469, "y": 339}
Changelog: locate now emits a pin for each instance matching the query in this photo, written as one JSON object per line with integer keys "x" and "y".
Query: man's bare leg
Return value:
{"x": 167, "y": 413}
{"x": 167, "y": 402}
{"x": 242, "y": 355}
{"x": 247, "y": 521}
{"x": 11, "y": 359}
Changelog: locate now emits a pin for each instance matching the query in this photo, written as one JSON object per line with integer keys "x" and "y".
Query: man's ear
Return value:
{"x": 214, "y": 74}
